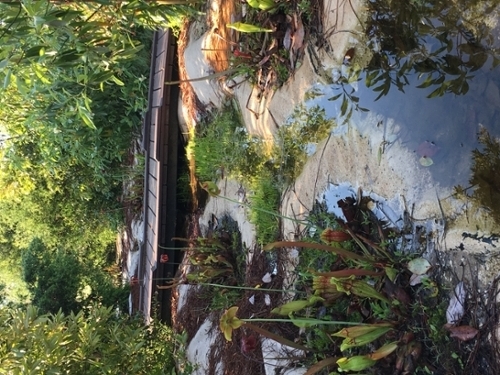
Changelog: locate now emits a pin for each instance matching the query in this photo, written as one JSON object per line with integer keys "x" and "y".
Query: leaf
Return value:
{"x": 41, "y": 74}
{"x": 357, "y": 331}
{"x": 370, "y": 77}
{"x": 349, "y": 272}
{"x": 341, "y": 252}
{"x": 419, "y": 266}
{"x": 356, "y": 363}
{"x": 426, "y": 161}
{"x": 465, "y": 88}
{"x": 317, "y": 367}
{"x": 290, "y": 307}
{"x": 391, "y": 273}
{"x": 247, "y": 28}
{"x": 100, "y": 77}
{"x": 211, "y": 188}
{"x": 21, "y": 86}
{"x": 437, "y": 92}
{"x": 34, "y": 52}
{"x": 428, "y": 81}
{"x": 463, "y": 333}
{"x": 117, "y": 81}
{"x": 261, "y": 4}
{"x": 85, "y": 116}
{"x": 383, "y": 351}
{"x": 87, "y": 102}
{"x": 333, "y": 98}
{"x": 343, "y": 107}
{"x": 130, "y": 52}
{"x": 6, "y": 81}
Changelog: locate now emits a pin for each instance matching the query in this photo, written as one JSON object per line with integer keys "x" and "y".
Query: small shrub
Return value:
{"x": 223, "y": 146}
{"x": 264, "y": 202}
{"x": 296, "y": 139}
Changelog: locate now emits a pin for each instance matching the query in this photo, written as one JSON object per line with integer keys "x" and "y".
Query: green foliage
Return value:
{"x": 304, "y": 130}
{"x": 94, "y": 341}
{"x": 14, "y": 289}
{"x": 73, "y": 94}
{"x": 222, "y": 145}
{"x": 53, "y": 278}
{"x": 219, "y": 258}
{"x": 264, "y": 201}
{"x": 484, "y": 179}
{"x": 96, "y": 285}
{"x": 223, "y": 299}
{"x": 375, "y": 294}
{"x": 58, "y": 280}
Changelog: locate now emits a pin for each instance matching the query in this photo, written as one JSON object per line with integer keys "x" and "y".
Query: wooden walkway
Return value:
{"x": 161, "y": 129}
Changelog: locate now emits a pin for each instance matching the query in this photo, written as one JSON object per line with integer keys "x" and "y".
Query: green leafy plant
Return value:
{"x": 222, "y": 147}
{"x": 91, "y": 341}
{"x": 297, "y": 139}
{"x": 264, "y": 201}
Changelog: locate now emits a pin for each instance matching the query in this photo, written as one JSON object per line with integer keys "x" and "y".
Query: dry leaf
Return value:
{"x": 463, "y": 333}
{"x": 298, "y": 35}
{"x": 287, "y": 39}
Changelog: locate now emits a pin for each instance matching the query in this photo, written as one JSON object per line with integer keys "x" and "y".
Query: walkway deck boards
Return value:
{"x": 160, "y": 144}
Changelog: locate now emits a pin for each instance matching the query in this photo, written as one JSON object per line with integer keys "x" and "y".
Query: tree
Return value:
{"x": 59, "y": 281}
{"x": 53, "y": 278}
{"x": 94, "y": 341}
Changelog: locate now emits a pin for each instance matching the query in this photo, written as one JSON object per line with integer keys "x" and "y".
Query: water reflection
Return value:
{"x": 485, "y": 179}
{"x": 434, "y": 71}
{"x": 442, "y": 42}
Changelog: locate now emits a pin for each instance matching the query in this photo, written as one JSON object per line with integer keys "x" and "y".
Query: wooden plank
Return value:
{"x": 152, "y": 140}
{"x": 151, "y": 234}
{"x": 157, "y": 99}
{"x": 152, "y": 178}
{"x": 149, "y": 248}
{"x": 160, "y": 59}
{"x": 154, "y": 111}
{"x": 152, "y": 204}
{"x": 151, "y": 219}
{"x": 154, "y": 118}
{"x": 152, "y": 167}
{"x": 152, "y": 182}
{"x": 162, "y": 39}
{"x": 159, "y": 79}
{"x": 153, "y": 190}
{"x": 151, "y": 147}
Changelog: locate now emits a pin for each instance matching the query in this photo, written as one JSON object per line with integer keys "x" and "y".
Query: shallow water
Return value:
{"x": 452, "y": 55}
